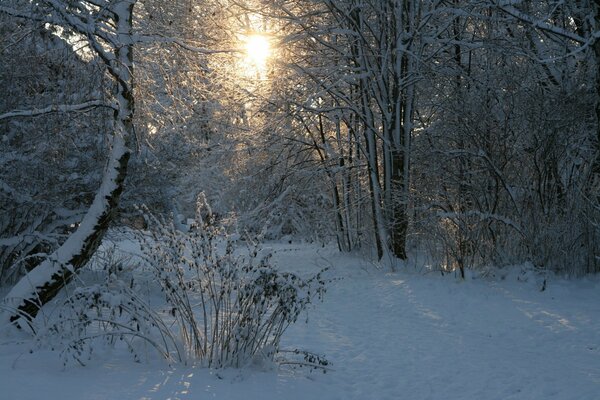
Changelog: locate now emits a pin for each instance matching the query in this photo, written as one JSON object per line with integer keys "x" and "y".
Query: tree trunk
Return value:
{"x": 402, "y": 70}
{"x": 379, "y": 227}
{"x": 399, "y": 227}
{"x": 44, "y": 282}
{"x": 41, "y": 284}
{"x": 597, "y": 56}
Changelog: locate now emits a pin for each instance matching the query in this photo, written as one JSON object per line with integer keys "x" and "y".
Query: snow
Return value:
{"x": 409, "y": 334}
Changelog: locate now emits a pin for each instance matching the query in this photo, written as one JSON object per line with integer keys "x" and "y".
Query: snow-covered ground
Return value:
{"x": 404, "y": 335}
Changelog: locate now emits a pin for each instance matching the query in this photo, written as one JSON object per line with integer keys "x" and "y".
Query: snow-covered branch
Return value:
{"x": 506, "y": 7}
{"x": 57, "y": 108}
{"x": 158, "y": 38}
{"x": 20, "y": 14}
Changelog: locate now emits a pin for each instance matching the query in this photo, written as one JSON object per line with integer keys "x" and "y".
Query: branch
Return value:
{"x": 56, "y": 108}
{"x": 544, "y": 26}
{"x": 20, "y": 14}
{"x": 158, "y": 38}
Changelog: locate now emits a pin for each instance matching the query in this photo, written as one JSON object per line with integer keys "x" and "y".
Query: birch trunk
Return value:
{"x": 42, "y": 284}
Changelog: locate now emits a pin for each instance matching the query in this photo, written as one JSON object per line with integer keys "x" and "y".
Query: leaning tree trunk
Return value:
{"x": 42, "y": 284}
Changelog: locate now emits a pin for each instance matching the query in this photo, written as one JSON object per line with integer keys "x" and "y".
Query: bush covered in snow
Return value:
{"x": 222, "y": 307}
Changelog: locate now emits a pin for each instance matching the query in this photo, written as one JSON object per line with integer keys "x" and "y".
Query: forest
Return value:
{"x": 191, "y": 178}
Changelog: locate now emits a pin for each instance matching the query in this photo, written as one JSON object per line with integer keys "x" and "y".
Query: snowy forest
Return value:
{"x": 300, "y": 199}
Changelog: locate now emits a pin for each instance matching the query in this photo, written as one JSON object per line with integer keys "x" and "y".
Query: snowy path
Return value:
{"x": 389, "y": 336}
{"x": 415, "y": 337}
{"x": 425, "y": 340}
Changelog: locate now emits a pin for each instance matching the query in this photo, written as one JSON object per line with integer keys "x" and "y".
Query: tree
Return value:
{"x": 505, "y": 150}
{"x": 476, "y": 91}
{"x": 359, "y": 64}
{"x": 180, "y": 95}
{"x": 107, "y": 26}
{"x": 49, "y": 163}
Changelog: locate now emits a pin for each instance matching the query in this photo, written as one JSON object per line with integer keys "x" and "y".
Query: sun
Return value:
{"x": 258, "y": 51}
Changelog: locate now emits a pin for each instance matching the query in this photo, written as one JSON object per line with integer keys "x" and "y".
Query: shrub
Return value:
{"x": 229, "y": 307}
{"x": 223, "y": 307}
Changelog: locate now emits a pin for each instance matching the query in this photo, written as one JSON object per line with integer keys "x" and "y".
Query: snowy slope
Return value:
{"x": 405, "y": 335}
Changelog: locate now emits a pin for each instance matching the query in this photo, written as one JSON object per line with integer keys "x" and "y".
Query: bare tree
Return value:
{"x": 107, "y": 27}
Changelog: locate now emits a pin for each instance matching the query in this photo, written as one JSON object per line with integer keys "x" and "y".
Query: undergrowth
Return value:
{"x": 221, "y": 307}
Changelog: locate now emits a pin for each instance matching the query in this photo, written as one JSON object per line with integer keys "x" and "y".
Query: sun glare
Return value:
{"x": 258, "y": 51}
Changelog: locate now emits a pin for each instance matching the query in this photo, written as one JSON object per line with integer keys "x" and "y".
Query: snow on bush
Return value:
{"x": 222, "y": 308}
